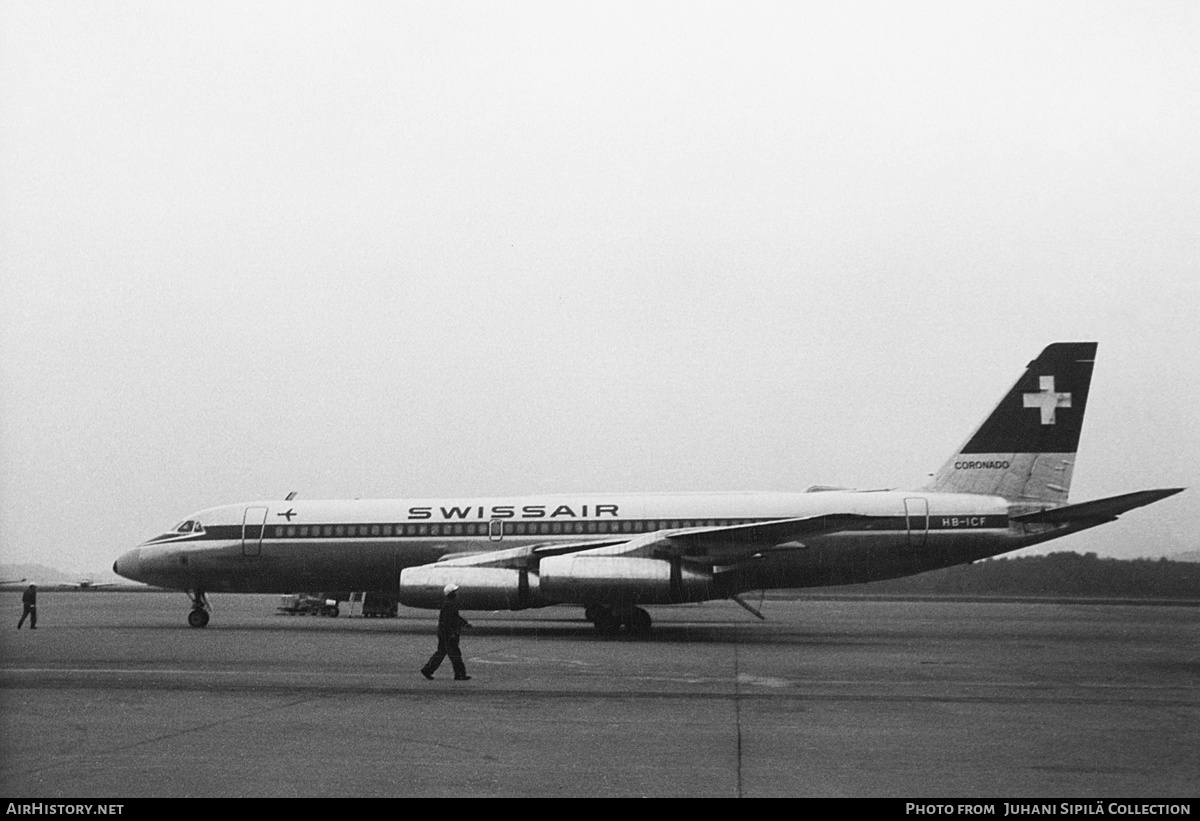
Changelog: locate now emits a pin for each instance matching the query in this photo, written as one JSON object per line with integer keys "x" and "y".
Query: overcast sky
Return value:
{"x": 386, "y": 249}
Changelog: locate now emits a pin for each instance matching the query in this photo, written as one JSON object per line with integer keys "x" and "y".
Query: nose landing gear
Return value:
{"x": 200, "y": 609}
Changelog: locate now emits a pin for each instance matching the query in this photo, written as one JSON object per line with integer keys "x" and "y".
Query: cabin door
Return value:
{"x": 253, "y": 522}
{"x": 916, "y": 512}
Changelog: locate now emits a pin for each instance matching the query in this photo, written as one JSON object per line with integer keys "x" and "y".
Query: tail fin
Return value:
{"x": 1025, "y": 451}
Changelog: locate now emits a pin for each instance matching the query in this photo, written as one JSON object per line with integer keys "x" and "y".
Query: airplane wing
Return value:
{"x": 518, "y": 557}
{"x": 506, "y": 579}
{"x": 721, "y": 544}
{"x": 752, "y": 537}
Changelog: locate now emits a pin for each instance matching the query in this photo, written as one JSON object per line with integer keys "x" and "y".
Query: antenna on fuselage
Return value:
{"x": 290, "y": 496}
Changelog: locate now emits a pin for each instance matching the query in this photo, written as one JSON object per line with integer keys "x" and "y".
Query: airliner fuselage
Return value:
{"x": 280, "y": 547}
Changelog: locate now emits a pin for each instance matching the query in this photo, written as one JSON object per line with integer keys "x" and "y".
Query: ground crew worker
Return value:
{"x": 450, "y": 625}
{"x": 29, "y": 599}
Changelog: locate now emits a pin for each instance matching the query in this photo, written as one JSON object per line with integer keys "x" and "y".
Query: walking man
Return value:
{"x": 29, "y": 599}
{"x": 450, "y": 625}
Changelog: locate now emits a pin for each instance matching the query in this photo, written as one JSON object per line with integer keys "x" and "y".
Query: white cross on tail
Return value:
{"x": 1047, "y": 400}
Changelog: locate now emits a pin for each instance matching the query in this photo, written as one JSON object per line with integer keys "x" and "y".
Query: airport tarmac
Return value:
{"x": 115, "y": 697}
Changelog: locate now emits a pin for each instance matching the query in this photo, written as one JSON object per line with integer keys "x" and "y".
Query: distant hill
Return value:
{"x": 1188, "y": 556}
{"x": 41, "y": 574}
{"x": 38, "y": 572}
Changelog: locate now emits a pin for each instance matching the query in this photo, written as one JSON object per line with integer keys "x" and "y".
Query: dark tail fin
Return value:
{"x": 1025, "y": 451}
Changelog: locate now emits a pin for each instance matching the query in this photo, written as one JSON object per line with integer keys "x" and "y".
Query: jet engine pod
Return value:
{"x": 620, "y": 580}
{"x": 479, "y": 588}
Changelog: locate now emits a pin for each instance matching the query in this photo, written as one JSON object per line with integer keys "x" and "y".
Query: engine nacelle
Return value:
{"x": 479, "y": 588}
{"x": 586, "y": 579}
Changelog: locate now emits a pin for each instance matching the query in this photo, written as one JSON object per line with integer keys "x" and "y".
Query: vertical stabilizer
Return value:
{"x": 1025, "y": 451}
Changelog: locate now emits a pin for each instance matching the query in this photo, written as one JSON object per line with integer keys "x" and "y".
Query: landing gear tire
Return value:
{"x": 199, "y": 615}
{"x": 606, "y": 622}
{"x": 639, "y": 622}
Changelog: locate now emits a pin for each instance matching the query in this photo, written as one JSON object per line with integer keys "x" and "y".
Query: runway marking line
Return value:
{"x": 743, "y": 678}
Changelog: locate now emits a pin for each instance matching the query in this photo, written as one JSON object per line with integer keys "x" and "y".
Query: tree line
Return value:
{"x": 1056, "y": 574}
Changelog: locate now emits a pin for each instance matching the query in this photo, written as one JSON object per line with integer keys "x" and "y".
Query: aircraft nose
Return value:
{"x": 128, "y": 564}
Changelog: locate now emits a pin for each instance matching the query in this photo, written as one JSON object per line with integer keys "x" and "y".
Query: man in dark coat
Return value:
{"x": 29, "y": 599}
{"x": 450, "y": 625}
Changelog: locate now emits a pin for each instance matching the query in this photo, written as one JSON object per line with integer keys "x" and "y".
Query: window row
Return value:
{"x": 493, "y": 528}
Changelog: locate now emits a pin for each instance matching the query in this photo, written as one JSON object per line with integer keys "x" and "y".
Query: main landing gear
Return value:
{"x": 200, "y": 609}
{"x": 610, "y": 620}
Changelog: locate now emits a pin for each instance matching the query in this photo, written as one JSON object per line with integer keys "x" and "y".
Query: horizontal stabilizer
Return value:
{"x": 1105, "y": 509}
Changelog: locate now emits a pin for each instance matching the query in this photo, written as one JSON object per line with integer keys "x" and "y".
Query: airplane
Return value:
{"x": 89, "y": 584}
{"x": 1004, "y": 489}
{"x": 53, "y": 587}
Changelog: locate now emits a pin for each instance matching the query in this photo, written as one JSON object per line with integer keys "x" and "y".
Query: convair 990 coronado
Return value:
{"x": 1005, "y": 489}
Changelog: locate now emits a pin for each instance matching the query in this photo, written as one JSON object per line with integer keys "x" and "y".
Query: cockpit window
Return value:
{"x": 186, "y": 527}
{"x": 197, "y": 527}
